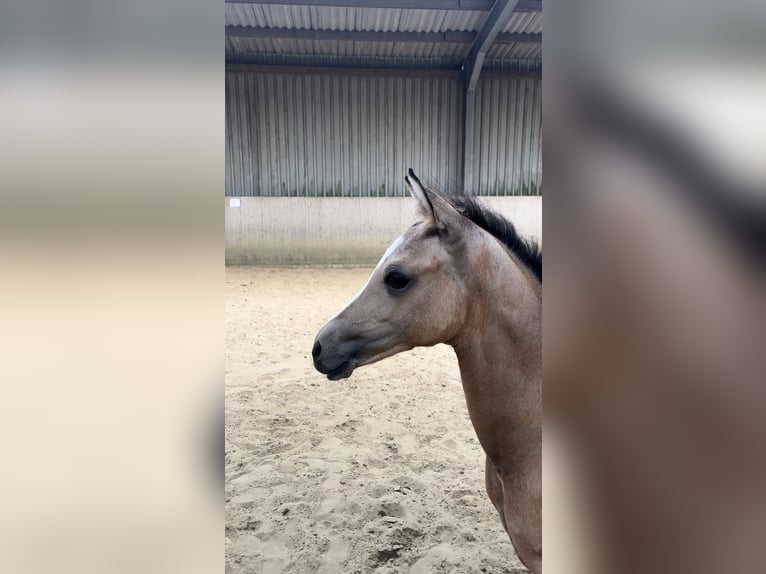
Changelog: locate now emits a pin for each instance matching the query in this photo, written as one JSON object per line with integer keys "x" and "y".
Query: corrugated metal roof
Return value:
{"x": 515, "y": 52}
{"x": 528, "y": 22}
{"x": 386, "y": 53}
{"x": 363, "y": 19}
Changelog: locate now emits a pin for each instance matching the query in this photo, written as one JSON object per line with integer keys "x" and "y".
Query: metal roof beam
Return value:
{"x": 363, "y": 36}
{"x": 529, "y": 6}
{"x": 518, "y": 38}
{"x": 395, "y": 4}
{"x": 480, "y": 5}
{"x": 498, "y": 17}
{"x": 378, "y": 71}
{"x": 349, "y": 35}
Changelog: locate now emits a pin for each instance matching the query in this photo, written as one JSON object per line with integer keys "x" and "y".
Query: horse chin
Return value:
{"x": 343, "y": 371}
{"x": 368, "y": 359}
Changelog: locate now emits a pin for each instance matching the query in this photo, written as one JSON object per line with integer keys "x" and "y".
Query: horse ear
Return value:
{"x": 425, "y": 207}
{"x": 431, "y": 205}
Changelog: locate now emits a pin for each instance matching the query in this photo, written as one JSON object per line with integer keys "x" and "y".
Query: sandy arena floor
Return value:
{"x": 377, "y": 473}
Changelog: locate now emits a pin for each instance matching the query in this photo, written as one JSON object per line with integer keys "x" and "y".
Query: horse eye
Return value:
{"x": 396, "y": 280}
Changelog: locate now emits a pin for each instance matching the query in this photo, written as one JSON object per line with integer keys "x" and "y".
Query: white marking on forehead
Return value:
{"x": 391, "y": 248}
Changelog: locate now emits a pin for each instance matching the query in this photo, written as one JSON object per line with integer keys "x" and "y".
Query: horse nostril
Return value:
{"x": 316, "y": 351}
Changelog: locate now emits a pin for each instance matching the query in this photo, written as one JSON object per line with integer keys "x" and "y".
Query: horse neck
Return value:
{"x": 499, "y": 350}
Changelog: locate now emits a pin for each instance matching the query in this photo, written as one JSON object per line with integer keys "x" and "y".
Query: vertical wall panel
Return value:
{"x": 507, "y": 136}
{"x": 330, "y": 135}
{"x": 229, "y": 147}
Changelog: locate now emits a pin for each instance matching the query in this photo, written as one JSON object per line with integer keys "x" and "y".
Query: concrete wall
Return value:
{"x": 337, "y": 230}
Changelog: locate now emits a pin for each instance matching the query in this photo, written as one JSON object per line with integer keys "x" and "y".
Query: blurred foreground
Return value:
{"x": 111, "y": 394}
{"x": 655, "y": 131}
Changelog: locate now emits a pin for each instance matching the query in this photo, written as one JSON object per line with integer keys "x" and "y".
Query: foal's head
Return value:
{"x": 420, "y": 292}
{"x": 414, "y": 297}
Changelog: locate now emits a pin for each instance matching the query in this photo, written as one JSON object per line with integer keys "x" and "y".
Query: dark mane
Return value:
{"x": 527, "y": 250}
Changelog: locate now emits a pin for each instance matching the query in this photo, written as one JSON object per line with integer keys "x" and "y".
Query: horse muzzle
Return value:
{"x": 336, "y": 360}
{"x": 338, "y": 349}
